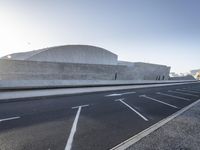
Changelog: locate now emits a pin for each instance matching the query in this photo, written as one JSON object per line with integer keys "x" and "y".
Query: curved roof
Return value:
{"x": 22, "y": 55}
{"x": 68, "y": 54}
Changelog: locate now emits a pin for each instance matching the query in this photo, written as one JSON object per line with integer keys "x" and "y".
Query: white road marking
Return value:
{"x": 188, "y": 91}
{"x": 183, "y": 93}
{"x": 74, "y": 126}
{"x": 119, "y": 94}
{"x": 80, "y": 106}
{"x": 7, "y": 119}
{"x": 158, "y": 101}
{"x": 178, "y": 97}
{"x": 121, "y": 100}
{"x": 132, "y": 140}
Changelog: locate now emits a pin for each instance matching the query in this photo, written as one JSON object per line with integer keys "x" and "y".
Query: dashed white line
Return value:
{"x": 178, "y": 97}
{"x": 183, "y": 93}
{"x": 121, "y": 100}
{"x": 7, "y": 119}
{"x": 147, "y": 97}
{"x": 188, "y": 91}
{"x": 74, "y": 126}
{"x": 119, "y": 94}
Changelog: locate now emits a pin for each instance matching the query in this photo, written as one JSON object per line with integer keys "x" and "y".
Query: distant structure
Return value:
{"x": 76, "y": 62}
{"x": 181, "y": 76}
{"x": 196, "y": 73}
{"x": 173, "y": 74}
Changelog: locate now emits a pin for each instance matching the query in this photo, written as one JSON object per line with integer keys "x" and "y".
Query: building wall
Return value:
{"x": 146, "y": 71}
{"x": 35, "y": 70}
{"x": 152, "y": 71}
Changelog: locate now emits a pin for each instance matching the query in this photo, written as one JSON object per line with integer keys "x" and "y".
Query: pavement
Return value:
{"x": 50, "y": 84}
{"x": 89, "y": 121}
{"x": 15, "y": 95}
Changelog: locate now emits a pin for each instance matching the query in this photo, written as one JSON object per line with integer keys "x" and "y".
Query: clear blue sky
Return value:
{"x": 156, "y": 31}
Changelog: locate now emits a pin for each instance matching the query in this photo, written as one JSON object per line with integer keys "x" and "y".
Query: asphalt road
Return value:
{"x": 94, "y": 121}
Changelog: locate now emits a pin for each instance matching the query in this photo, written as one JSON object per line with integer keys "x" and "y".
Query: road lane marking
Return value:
{"x": 178, "y": 97}
{"x": 7, "y": 119}
{"x": 121, "y": 100}
{"x": 74, "y": 126}
{"x": 132, "y": 140}
{"x": 147, "y": 97}
{"x": 183, "y": 93}
{"x": 80, "y": 106}
{"x": 119, "y": 94}
{"x": 188, "y": 91}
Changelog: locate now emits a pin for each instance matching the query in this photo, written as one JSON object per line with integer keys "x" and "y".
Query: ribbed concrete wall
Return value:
{"x": 33, "y": 70}
{"x": 16, "y": 69}
{"x": 152, "y": 71}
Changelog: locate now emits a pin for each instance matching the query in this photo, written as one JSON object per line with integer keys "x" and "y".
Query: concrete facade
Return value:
{"x": 33, "y": 70}
{"x": 76, "y": 62}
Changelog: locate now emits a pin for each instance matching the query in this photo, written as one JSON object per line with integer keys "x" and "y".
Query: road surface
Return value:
{"x": 92, "y": 121}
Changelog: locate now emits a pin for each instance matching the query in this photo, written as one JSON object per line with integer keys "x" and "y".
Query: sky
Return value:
{"x": 154, "y": 31}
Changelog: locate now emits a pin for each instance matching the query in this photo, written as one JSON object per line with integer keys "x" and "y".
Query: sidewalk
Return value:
{"x": 6, "y": 96}
{"x": 181, "y": 133}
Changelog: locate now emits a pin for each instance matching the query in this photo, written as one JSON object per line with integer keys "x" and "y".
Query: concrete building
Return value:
{"x": 76, "y": 62}
{"x": 83, "y": 54}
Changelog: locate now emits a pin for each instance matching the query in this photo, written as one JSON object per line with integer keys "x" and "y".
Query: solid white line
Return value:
{"x": 158, "y": 101}
{"x": 128, "y": 93}
{"x": 110, "y": 95}
{"x": 73, "y": 129}
{"x": 7, "y": 119}
{"x": 139, "y": 136}
{"x": 186, "y": 99}
{"x": 188, "y": 91}
{"x": 119, "y": 94}
{"x": 80, "y": 106}
{"x": 183, "y": 93}
{"x": 121, "y": 100}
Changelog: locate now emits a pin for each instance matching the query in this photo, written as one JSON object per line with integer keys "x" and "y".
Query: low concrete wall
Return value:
{"x": 43, "y": 84}
{"x": 34, "y": 70}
